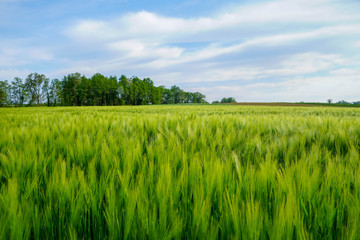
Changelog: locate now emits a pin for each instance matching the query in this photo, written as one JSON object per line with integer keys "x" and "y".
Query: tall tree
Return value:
{"x": 55, "y": 92}
{"x": 84, "y": 92}
{"x": 156, "y": 95}
{"x": 200, "y": 98}
{"x": 124, "y": 90}
{"x": 113, "y": 91}
{"x": 33, "y": 84}
{"x": 70, "y": 85}
{"x": 136, "y": 91}
{"x": 18, "y": 91}
{"x": 168, "y": 97}
{"x": 46, "y": 91}
{"x": 3, "y": 93}
{"x": 100, "y": 89}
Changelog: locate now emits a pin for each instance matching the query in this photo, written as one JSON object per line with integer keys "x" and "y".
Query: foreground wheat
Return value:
{"x": 180, "y": 172}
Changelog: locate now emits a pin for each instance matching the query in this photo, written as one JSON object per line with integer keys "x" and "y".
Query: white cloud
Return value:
{"x": 5, "y": 73}
{"x": 163, "y": 56}
{"x": 306, "y": 63}
{"x": 275, "y": 40}
{"x": 137, "y": 49}
{"x": 293, "y": 11}
{"x": 146, "y": 24}
{"x": 292, "y": 66}
{"x": 357, "y": 44}
{"x": 301, "y": 89}
{"x": 149, "y": 25}
{"x": 20, "y": 56}
{"x": 346, "y": 72}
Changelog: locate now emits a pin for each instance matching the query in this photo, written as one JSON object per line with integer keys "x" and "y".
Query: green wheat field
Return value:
{"x": 180, "y": 172}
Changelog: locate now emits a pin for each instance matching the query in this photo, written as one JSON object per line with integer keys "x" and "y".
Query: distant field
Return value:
{"x": 279, "y": 104}
{"x": 180, "y": 172}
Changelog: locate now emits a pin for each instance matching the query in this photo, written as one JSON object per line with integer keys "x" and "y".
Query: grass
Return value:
{"x": 180, "y": 172}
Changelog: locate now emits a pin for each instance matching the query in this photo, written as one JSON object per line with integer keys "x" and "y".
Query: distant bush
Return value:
{"x": 228, "y": 100}
{"x": 343, "y": 102}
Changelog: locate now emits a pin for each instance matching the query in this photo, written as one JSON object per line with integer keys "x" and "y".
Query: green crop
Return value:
{"x": 180, "y": 172}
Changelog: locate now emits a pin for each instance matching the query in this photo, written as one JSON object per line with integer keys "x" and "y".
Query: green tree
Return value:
{"x": 84, "y": 92}
{"x": 228, "y": 100}
{"x": 167, "y": 96}
{"x": 113, "y": 91}
{"x": 3, "y": 93}
{"x": 177, "y": 94}
{"x": 100, "y": 89}
{"x": 70, "y": 85}
{"x": 56, "y": 92}
{"x": 148, "y": 85}
{"x": 18, "y": 91}
{"x": 156, "y": 95}
{"x": 46, "y": 91}
{"x": 199, "y": 98}
{"x": 124, "y": 90}
{"x": 137, "y": 91}
{"x": 34, "y": 85}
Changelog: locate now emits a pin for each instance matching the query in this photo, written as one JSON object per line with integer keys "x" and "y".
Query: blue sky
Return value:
{"x": 278, "y": 50}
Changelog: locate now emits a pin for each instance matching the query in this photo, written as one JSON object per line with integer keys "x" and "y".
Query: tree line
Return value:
{"x": 225, "y": 100}
{"x": 77, "y": 90}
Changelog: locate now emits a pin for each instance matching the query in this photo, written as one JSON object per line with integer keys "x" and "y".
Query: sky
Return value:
{"x": 254, "y": 51}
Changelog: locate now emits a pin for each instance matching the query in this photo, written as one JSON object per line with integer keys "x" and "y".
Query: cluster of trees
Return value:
{"x": 225, "y": 100}
{"x": 77, "y": 90}
{"x": 343, "y": 102}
